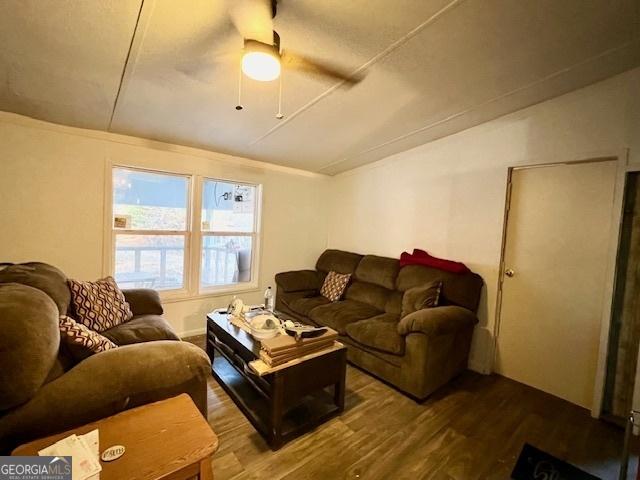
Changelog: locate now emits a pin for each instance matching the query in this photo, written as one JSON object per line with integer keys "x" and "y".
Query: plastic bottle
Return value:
{"x": 268, "y": 299}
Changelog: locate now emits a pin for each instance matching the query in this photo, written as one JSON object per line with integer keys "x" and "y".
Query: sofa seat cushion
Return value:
{"x": 338, "y": 315}
{"x": 304, "y": 306}
{"x": 379, "y": 332}
{"x": 143, "y": 328}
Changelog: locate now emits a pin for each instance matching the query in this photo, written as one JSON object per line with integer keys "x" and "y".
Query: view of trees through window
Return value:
{"x": 152, "y": 234}
{"x": 150, "y": 206}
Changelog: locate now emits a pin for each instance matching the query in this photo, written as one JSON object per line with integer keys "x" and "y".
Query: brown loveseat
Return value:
{"x": 417, "y": 353}
{"x": 44, "y": 390}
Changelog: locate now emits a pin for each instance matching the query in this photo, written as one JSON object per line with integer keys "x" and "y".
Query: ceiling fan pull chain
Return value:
{"x": 239, "y": 105}
{"x": 279, "y": 115}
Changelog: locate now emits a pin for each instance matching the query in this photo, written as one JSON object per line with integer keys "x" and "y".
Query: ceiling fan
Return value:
{"x": 262, "y": 56}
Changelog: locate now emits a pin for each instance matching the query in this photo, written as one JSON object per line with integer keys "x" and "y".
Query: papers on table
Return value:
{"x": 84, "y": 451}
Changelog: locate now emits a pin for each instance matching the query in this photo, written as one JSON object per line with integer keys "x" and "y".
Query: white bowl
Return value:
{"x": 258, "y": 330}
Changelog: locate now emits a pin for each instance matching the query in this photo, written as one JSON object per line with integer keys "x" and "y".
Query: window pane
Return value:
{"x": 149, "y": 201}
{"x": 228, "y": 207}
{"x": 225, "y": 260}
{"x": 150, "y": 261}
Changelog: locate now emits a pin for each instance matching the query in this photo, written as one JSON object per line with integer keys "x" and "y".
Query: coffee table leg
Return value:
{"x": 206, "y": 472}
{"x": 339, "y": 388}
{"x": 276, "y": 411}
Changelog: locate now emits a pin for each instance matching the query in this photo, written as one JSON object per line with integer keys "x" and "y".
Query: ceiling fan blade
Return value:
{"x": 253, "y": 19}
{"x": 207, "y": 54}
{"x": 203, "y": 68}
{"x": 315, "y": 67}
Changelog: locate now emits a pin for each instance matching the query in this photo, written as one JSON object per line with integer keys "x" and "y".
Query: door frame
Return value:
{"x": 622, "y": 168}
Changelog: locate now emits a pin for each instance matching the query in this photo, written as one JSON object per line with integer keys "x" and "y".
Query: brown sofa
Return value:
{"x": 417, "y": 353}
{"x": 43, "y": 390}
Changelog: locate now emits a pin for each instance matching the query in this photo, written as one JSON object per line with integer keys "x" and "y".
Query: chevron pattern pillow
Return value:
{"x": 99, "y": 305}
{"x": 334, "y": 285}
{"x": 82, "y": 341}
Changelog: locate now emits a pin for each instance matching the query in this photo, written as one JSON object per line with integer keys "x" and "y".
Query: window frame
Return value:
{"x": 193, "y": 235}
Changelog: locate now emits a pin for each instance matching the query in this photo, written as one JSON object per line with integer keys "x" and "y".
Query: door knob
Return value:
{"x": 509, "y": 273}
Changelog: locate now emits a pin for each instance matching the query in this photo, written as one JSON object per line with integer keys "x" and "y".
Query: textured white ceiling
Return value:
{"x": 62, "y": 61}
{"x": 434, "y": 67}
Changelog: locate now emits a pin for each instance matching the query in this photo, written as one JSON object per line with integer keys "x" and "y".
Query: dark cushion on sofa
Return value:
{"x": 338, "y": 261}
{"x": 143, "y": 328}
{"x": 380, "y": 333}
{"x": 417, "y": 298}
{"x": 338, "y": 315}
{"x": 47, "y": 278}
{"x": 462, "y": 289}
{"x": 378, "y": 270}
{"x": 29, "y": 341}
{"x": 304, "y": 306}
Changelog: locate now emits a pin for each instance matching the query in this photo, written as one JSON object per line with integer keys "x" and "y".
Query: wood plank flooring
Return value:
{"x": 473, "y": 428}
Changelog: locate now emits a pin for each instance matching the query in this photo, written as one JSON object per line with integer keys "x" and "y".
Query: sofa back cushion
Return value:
{"x": 378, "y": 270}
{"x": 42, "y": 276}
{"x": 338, "y": 261}
{"x": 368, "y": 293}
{"x": 394, "y": 303}
{"x": 29, "y": 342}
{"x": 462, "y": 289}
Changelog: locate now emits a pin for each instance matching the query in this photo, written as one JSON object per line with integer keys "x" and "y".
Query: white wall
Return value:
{"x": 448, "y": 196}
{"x": 52, "y": 195}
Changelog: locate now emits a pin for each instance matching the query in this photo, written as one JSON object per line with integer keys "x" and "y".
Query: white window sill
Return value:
{"x": 168, "y": 297}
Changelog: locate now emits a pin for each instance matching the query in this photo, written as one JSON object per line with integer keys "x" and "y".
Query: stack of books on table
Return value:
{"x": 284, "y": 348}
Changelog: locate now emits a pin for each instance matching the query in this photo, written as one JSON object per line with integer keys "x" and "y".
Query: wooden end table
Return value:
{"x": 285, "y": 403}
{"x": 168, "y": 439}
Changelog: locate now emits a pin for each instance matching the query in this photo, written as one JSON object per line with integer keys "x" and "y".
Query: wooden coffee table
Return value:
{"x": 164, "y": 440}
{"x": 285, "y": 403}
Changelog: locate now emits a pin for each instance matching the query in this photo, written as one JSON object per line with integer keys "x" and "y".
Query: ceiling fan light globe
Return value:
{"x": 261, "y": 66}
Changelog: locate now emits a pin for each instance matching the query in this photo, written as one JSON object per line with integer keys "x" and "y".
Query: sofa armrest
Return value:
{"x": 298, "y": 281}
{"x": 437, "y": 321}
{"x": 143, "y": 301}
{"x": 107, "y": 383}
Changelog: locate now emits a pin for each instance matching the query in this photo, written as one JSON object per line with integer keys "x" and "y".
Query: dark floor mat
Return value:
{"x": 534, "y": 464}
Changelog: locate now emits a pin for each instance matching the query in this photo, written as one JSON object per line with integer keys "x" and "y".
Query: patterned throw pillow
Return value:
{"x": 334, "y": 285}
{"x": 99, "y": 305}
{"x": 82, "y": 341}
{"x": 417, "y": 298}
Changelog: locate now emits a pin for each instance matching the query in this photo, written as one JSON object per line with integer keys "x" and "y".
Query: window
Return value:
{"x": 154, "y": 229}
{"x": 151, "y": 228}
{"x": 228, "y": 233}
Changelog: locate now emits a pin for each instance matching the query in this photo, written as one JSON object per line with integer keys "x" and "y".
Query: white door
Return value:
{"x": 553, "y": 285}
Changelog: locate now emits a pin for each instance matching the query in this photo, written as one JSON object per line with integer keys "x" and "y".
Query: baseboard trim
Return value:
{"x": 193, "y": 332}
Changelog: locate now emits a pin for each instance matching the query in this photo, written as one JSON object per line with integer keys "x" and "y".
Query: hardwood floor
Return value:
{"x": 473, "y": 428}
